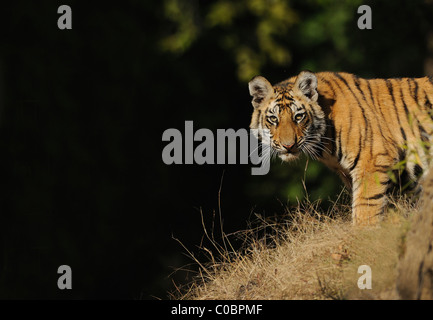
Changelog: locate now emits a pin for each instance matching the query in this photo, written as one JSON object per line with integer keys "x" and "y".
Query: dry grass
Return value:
{"x": 309, "y": 255}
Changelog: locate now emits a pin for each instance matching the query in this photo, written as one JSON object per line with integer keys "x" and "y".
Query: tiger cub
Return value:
{"x": 376, "y": 133}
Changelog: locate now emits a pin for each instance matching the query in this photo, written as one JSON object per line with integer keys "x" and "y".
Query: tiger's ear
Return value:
{"x": 260, "y": 89}
{"x": 306, "y": 82}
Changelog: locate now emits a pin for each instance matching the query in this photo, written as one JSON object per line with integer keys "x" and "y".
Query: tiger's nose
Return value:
{"x": 288, "y": 146}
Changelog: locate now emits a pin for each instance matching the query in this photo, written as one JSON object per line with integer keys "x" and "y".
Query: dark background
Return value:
{"x": 82, "y": 113}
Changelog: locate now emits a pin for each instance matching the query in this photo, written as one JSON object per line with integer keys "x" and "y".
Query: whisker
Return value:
{"x": 315, "y": 144}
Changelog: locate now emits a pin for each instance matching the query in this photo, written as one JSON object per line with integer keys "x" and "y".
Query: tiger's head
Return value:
{"x": 291, "y": 113}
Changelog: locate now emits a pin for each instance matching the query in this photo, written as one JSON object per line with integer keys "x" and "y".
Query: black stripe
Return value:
{"x": 391, "y": 92}
{"x": 428, "y": 105}
{"x": 404, "y": 102}
{"x": 415, "y": 93}
{"x": 418, "y": 171}
{"x": 409, "y": 83}
{"x": 381, "y": 167}
{"x": 331, "y": 130}
{"x": 383, "y": 170}
{"x": 371, "y": 91}
{"x": 402, "y": 154}
{"x": 423, "y": 133}
{"x": 424, "y": 137}
{"x": 357, "y": 84}
{"x": 385, "y": 183}
{"x": 329, "y": 85}
{"x": 375, "y": 197}
{"x": 427, "y": 102}
{"x": 355, "y": 162}
{"x": 403, "y": 134}
{"x": 339, "y": 146}
{"x": 412, "y": 85}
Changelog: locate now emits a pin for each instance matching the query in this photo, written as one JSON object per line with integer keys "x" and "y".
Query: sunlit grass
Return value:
{"x": 308, "y": 254}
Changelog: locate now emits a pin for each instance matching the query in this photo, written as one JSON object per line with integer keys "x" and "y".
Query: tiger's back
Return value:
{"x": 375, "y": 133}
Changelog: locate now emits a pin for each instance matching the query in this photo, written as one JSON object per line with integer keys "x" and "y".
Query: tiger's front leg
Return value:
{"x": 369, "y": 195}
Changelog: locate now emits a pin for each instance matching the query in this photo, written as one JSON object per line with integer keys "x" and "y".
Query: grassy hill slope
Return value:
{"x": 310, "y": 255}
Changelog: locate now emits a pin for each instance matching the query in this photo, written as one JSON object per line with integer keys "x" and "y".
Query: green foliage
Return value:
{"x": 257, "y": 33}
{"x": 180, "y": 13}
{"x": 250, "y": 47}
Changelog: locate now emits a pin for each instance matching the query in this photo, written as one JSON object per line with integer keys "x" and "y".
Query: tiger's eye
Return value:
{"x": 273, "y": 119}
{"x": 299, "y": 117}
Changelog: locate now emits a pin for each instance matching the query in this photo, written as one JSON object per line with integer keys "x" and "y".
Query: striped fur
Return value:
{"x": 376, "y": 133}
